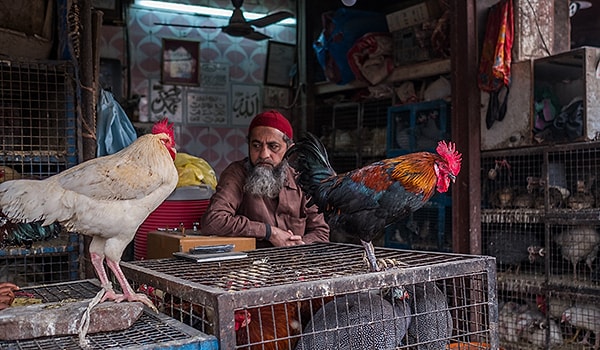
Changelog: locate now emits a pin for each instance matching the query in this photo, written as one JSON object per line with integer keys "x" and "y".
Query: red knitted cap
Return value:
{"x": 273, "y": 119}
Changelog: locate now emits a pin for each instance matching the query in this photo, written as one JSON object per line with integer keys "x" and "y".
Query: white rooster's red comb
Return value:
{"x": 451, "y": 155}
{"x": 163, "y": 126}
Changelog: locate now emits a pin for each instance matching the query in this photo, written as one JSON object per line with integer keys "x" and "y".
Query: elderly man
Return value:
{"x": 258, "y": 197}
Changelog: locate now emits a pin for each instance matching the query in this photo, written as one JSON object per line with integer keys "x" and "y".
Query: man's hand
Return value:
{"x": 281, "y": 238}
{"x": 6, "y": 294}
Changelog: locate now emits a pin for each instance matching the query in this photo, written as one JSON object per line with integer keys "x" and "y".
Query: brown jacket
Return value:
{"x": 234, "y": 213}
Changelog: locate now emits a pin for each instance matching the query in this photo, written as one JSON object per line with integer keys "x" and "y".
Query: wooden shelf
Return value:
{"x": 401, "y": 73}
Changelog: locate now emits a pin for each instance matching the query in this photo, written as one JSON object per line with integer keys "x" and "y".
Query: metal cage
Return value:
{"x": 540, "y": 220}
{"x": 38, "y": 138}
{"x": 288, "y": 296}
{"x": 151, "y": 330}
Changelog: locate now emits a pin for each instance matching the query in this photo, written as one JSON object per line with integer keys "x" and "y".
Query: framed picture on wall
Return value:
{"x": 214, "y": 76}
{"x": 112, "y": 11}
{"x": 180, "y": 62}
{"x": 276, "y": 96}
{"x": 280, "y": 66}
{"x": 245, "y": 103}
{"x": 207, "y": 108}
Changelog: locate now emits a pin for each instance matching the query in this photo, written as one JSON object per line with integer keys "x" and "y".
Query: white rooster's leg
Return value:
{"x": 98, "y": 262}
{"x": 128, "y": 293}
{"x": 370, "y": 251}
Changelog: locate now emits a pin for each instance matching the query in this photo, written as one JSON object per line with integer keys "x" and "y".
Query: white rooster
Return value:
{"x": 106, "y": 198}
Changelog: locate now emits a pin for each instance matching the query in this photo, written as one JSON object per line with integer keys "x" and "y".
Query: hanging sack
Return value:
{"x": 494, "y": 67}
{"x": 115, "y": 130}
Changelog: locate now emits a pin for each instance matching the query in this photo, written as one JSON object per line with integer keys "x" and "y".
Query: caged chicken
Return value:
{"x": 365, "y": 320}
{"x": 276, "y": 326}
{"x": 362, "y": 202}
{"x": 106, "y": 198}
{"x": 579, "y": 243}
{"x": 585, "y": 317}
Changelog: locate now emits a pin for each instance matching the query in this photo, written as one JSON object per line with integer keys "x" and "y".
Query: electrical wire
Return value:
{"x": 537, "y": 25}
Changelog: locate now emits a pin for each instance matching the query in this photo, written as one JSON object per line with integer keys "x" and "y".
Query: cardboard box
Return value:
{"x": 413, "y": 15}
{"x": 164, "y": 244}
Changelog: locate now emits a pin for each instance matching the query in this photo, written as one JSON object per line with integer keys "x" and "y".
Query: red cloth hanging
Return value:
{"x": 496, "y": 58}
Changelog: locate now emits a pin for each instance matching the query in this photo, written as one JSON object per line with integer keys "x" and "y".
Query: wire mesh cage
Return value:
{"x": 429, "y": 228}
{"x": 37, "y": 114}
{"x": 547, "y": 251}
{"x": 54, "y": 260}
{"x": 354, "y": 133}
{"x": 320, "y": 296}
{"x": 151, "y": 330}
{"x": 417, "y": 127}
{"x": 37, "y": 139}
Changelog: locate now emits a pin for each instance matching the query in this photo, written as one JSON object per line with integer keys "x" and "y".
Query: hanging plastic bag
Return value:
{"x": 341, "y": 28}
{"x": 194, "y": 171}
{"x": 496, "y": 58}
{"x": 115, "y": 130}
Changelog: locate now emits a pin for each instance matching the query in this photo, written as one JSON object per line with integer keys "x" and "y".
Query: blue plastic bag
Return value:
{"x": 341, "y": 29}
{"x": 115, "y": 130}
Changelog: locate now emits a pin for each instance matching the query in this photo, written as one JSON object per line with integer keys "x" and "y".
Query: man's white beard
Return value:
{"x": 265, "y": 181}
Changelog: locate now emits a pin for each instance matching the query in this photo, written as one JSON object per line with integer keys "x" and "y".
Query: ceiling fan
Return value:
{"x": 239, "y": 26}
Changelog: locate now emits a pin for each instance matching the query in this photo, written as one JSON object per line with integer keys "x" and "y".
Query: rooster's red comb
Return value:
{"x": 163, "y": 126}
{"x": 450, "y": 154}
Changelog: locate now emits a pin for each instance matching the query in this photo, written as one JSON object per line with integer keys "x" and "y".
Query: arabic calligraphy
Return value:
{"x": 166, "y": 101}
{"x": 206, "y": 108}
{"x": 245, "y": 103}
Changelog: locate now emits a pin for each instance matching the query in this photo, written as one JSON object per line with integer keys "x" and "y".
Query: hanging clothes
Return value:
{"x": 496, "y": 57}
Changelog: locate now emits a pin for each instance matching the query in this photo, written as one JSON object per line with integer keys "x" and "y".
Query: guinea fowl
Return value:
{"x": 431, "y": 325}
{"x": 365, "y": 320}
{"x": 512, "y": 248}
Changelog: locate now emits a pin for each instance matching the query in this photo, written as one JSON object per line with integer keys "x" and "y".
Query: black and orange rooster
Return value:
{"x": 362, "y": 202}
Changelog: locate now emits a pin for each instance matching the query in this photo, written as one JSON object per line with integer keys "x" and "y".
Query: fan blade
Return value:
{"x": 257, "y": 36}
{"x": 187, "y": 26}
{"x": 270, "y": 19}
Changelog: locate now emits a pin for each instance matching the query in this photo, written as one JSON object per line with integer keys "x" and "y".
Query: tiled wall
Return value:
{"x": 217, "y": 144}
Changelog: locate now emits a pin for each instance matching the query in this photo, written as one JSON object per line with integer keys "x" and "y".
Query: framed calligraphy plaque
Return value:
{"x": 206, "y": 108}
{"x": 245, "y": 103}
{"x": 214, "y": 76}
{"x": 180, "y": 62}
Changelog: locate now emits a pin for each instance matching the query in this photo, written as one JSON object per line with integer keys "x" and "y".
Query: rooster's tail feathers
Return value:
{"x": 309, "y": 155}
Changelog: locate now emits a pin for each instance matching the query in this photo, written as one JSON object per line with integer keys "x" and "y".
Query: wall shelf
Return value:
{"x": 400, "y": 73}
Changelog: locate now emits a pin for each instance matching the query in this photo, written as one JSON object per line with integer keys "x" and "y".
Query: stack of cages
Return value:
{"x": 412, "y": 128}
{"x": 573, "y": 242}
{"x": 540, "y": 220}
{"x": 37, "y": 140}
{"x": 513, "y": 231}
{"x": 357, "y": 137}
{"x": 150, "y": 330}
{"x": 354, "y": 133}
{"x": 320, "y": 296}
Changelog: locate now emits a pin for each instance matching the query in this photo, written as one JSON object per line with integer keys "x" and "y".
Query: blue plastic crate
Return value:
{"x": 416, "y": 127}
